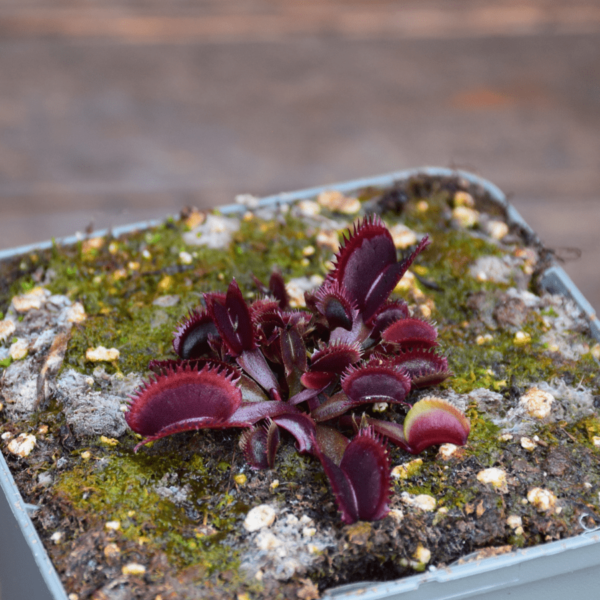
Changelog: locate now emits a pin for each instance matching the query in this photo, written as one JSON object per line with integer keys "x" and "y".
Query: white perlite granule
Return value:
{"x": 285, "y": 548}
{"x": 215, "y": 232}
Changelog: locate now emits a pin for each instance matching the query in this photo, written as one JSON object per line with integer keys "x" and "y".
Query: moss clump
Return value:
{"x": 141, "y": 492}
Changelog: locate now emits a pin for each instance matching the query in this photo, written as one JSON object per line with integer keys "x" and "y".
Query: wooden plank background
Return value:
{"x": 116, "y": 111}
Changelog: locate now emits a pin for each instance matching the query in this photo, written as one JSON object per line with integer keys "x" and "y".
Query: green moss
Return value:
{"x": 483, "y": 439}
{"x": 118, "y": 280}
{"x": 122, "y": 486}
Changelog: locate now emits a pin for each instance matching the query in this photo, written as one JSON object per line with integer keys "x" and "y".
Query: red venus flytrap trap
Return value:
{"x": 265, "y": 367}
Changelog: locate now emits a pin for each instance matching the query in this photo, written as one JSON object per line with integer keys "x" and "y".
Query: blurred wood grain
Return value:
{"x": 123, "y": 110}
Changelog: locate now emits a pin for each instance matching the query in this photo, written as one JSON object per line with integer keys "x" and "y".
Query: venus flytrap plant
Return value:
{"x": 264, "y": 367}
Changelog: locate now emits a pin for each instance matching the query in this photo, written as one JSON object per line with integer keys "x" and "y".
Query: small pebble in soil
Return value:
{"x": 76, "y": 313}
{"x": 102, "y": 354}
{"x": 259, "y": 517}
{"x": 296, "y": 288}
{"x": 166, "y": 301}
{"x": 495, "y": 477}
{"x": 537, "y": 403}
{"x": 32, "y": 300}
{"x": 407, "y": 470}
{"x": 465, "y": 217}
{"x": 484, "y": 339}
{"x": 328, "y": 239}
{"x": 108, "y": 441}
{"x": 45, "y": 479}
{"x": 111, "y": 550}
{"x": 423, "y": 502}
{"x": 18, "y": 350}
{"x": 133, "y": 569}
{"x": 496, "y": 229}
{"x": 425, "y": 311}
{"x": 462, "y": 198}
{"x": 308, "y": 208}
{"x": 516, "y": 523}
{"x": 422, "y": 555}
{"x": 380, "y": 406}
{"x": 396, "y": 514}
{"x": 403, "y": 236}
{"x": 22, "y": 445}
{"x": 185, "y": 258}
{"x": 543, "y": 500}
{"x": 336, "y": 202}
{"x": 528, "y": 444}
{"x": 215, "y": 232}
{"x": 265, "y": 540}
{"x": 92, "y": 244}
{"x": 7, "y": 328}
{"x": 521, "y": 338}
{"x": 57, "y": 537}
{"x": 447, "y": 451}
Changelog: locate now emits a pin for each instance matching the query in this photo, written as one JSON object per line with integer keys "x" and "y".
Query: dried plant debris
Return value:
{"x": 191, "y": 514}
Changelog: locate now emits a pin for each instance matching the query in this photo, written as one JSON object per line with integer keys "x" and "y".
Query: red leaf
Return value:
{"x": 254, "y": 363}
{"x": 183, "y": 399}
{"x": 259, "y": 445}
{"x": 366, "y": 464}
{"x": 328, "y": 363}
{"x": 333, "y": 407}
{"x": 335, "y": 357}
{"x": 386, "y": 315}
{"x": 361, "y": 482}
{"x": 342, "y": 488}
{"x": 277, "y": 288}
{"x": 302, "y": 427}
{"x": 424, "y": 367}
{"x": 394, "y": 432}
{"x": 376, "y": 381}
{"x": 232, "y": 319}
{"x": 332, "y": 443}
{"x": 293, "y": 351}
{"x": 433, "y": 421}
{"x": 318, "y": 380}
{"x": 250, "y": 413}
{"x": 191, "y": 336}
{"x": 335, "y": 304}
{"x": 411, "y": 333}
{"x": 366, "y": 265}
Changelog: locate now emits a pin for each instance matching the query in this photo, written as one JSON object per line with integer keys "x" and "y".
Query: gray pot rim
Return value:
{"x": 575, "y": 561}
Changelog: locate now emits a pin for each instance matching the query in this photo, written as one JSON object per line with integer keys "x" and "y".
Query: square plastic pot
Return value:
{"x": 556, "y": 570}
